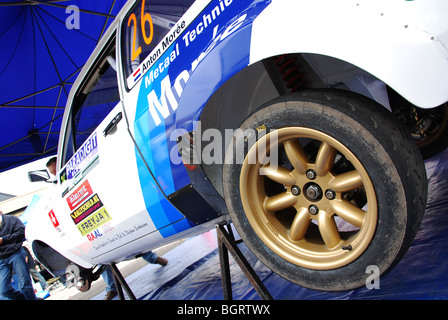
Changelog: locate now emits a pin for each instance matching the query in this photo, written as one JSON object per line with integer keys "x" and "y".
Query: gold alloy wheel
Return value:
{"x": 309, "y": 220}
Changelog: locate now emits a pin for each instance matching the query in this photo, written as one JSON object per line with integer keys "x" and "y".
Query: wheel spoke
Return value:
{"x": 296, "y": 155}
{"x": 346, "y": 182}
{"x": 278, "y": 174}
{"x": 348, "y": 212}
{"x": 328, "y": 230}
{"x": 279, "y": 202}
{"x": 324, "y": 159}
{"x": 300, "y": 225}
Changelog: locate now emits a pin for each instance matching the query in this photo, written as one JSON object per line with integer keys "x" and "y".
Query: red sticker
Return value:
{"x": 53, "y": 218}
{"x": 80, "y": 194}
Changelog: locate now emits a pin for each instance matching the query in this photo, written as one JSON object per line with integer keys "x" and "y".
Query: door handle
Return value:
{"x": 112, "y": 124}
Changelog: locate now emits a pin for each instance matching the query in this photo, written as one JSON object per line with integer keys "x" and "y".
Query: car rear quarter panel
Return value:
{"x": 402, "y": 43}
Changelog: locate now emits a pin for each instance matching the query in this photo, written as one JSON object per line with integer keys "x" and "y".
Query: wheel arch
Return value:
{"x": 229, "y": 106}
{"x": 52, "y": 260}
{"x": 48, "y": 243}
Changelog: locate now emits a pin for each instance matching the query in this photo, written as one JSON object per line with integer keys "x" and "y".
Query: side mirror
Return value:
{"x": 38, "y": 175}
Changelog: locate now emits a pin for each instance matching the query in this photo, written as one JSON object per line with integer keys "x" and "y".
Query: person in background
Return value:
{"x": 108, "y": 277}
{"x": 51, "y": 166}
{"x": 12, "y": 259}
{"x": 33, "y": 271}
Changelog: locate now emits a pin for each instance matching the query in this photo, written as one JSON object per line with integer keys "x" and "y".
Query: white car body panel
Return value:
{"x": 384, "y": 38}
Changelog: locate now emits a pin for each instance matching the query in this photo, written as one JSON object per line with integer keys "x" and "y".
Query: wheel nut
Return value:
{"x": 330, "y": 194}
{"x": 295, "y": 190}
{"x": 313, "y": 209}
{"x": 311, "y": 174}
{"x": 314, "y": 192}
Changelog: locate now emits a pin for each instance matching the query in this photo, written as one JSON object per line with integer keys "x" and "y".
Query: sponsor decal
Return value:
{"x": 89, "y": 216}
{"x": 79, "y": 195}
{"x": 83, "y": 157}
{"x": 86, "y": 209}
{"x": 55, "y": 223}
{"x": 94, "y": 221}
{"x": 53, "y": 218}
{"x": 94, "y": 235}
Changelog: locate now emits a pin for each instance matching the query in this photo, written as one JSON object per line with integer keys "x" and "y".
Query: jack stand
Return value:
{"x": 121, "y": 283}
{"x": 226, "y": 243}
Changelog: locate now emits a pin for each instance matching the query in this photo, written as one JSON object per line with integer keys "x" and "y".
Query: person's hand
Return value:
{"x": 1, "y": 240}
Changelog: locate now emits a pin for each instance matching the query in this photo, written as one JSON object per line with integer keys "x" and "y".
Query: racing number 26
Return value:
{"x": 144, "y": 18}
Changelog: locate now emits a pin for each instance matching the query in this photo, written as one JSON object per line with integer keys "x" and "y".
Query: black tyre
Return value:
{"x": 323, "y": 184}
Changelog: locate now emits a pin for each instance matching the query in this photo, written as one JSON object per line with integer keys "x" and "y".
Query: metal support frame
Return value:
{"x": 226, "y": 243}
{"x": 121, "y": 283}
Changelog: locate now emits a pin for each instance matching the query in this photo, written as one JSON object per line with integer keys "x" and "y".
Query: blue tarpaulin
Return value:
{"x": 43, "y": 47}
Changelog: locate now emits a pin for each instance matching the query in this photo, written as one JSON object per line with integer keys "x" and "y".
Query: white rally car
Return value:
{"x": 302, "y": 122}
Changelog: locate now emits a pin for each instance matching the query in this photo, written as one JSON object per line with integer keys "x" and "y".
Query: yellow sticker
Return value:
{"x": 261, "y": 128}
{"x": 94, "y": 221}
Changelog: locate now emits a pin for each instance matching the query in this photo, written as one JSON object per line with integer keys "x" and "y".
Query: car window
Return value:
{"x": 93, "y": 101}
{"x": 143, "y": 30}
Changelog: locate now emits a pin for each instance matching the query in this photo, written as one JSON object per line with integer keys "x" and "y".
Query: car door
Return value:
{"x": 98, "y": 180}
